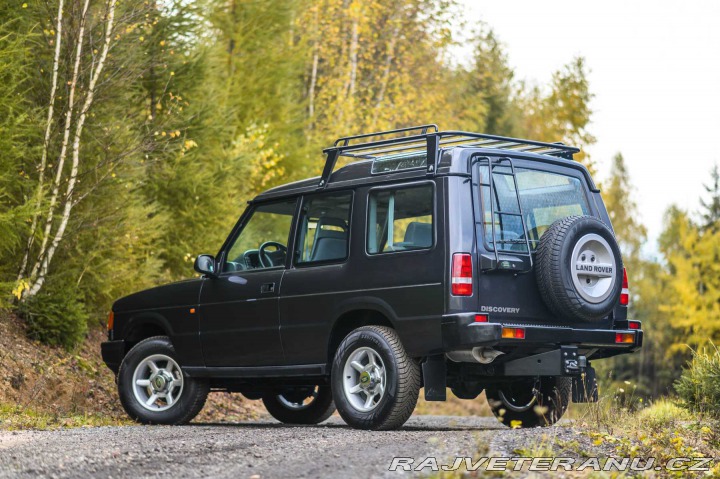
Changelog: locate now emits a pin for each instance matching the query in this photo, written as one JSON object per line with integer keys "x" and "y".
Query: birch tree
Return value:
{"x": 46, "y": 140}
{"x": 62, "y": 201}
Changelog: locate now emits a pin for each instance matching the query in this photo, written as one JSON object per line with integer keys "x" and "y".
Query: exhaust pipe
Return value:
{"x": 476, "y": 355}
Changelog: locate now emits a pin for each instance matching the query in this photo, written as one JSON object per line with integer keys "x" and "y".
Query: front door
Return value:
{"x": 239, "y": 321}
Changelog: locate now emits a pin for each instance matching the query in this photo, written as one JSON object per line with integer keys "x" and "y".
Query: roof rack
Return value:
{"x": 414, "y": 141}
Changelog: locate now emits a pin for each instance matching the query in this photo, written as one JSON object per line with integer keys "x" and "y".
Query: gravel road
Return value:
{"x": 240, "y": 450}
{"x": 260, "y": 449}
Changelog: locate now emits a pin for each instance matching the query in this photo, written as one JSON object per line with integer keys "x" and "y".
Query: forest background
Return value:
{"x": 132, "y": 132}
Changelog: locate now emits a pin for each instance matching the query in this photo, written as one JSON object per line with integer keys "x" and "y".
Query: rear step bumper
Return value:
{"x": 461, "y": 331}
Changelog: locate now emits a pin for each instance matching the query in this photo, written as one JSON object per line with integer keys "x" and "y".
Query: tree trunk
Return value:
{"x": 46, "y": 142}
{"x": 68, "y": 199}
{"x": 389, "y": 57}
{"x": 65, "y": 142}
{"x": 313, "y": 81}
{"x": 314, "y": 68}
{"x": 353, "y": 58}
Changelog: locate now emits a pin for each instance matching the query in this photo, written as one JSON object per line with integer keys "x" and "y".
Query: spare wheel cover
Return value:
{"x": 593, "y": 267}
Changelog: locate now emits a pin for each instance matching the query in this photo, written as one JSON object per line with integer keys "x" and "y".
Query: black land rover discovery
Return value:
{"x": 432, "y": 259}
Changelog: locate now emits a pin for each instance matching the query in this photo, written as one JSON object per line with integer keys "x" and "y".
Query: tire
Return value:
{"x": 289, "y": 407}
{"x": 467, "y": 390}
{"x": 579, "y": 269}
{"x": 396, "y": 373}
{"x": 531, "y": 403}
{"x": 187, "y": 394}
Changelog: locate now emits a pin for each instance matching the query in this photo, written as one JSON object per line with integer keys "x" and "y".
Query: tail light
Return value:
{"x": 513, "y": 333}
{"x": 481, "y": 318}
{"x": 462, "y": 275}
{"x": 111, "y": 321}
{"x": 624, "y": 338}
{"x": 634, "y": 324}
{"x": 625, "y": 293}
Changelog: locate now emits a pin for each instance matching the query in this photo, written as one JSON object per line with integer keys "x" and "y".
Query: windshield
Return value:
{"x": 545, "y": 197}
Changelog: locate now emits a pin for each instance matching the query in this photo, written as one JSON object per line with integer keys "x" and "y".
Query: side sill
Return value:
{"x": 256, "y": 371}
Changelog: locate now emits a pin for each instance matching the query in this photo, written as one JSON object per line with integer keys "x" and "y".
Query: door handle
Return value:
{"x": 267, "y": 288}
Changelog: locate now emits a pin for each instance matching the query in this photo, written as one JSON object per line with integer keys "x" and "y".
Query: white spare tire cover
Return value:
{"x": 579, "y": 269}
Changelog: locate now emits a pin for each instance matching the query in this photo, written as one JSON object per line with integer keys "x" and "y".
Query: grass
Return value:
{"x": 453, "y": 406}
{"x": 699, "y": 385}
{"x": 620, "y": 425}
{"x": 664, "y": 429}
{"x": 544, "y": 446}
{"x": 13, "y": 418}
{"x": 662, "y": 413}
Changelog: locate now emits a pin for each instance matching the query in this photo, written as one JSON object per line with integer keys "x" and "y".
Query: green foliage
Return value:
{"x": 200, "y": 106}
{"x": 699, "y": 385}
{"x": 56, "y": 316}
{"x": 486, "y": 89}
{"x": 624, "y": 214}
{"x": 648, "y": 368}
{"x": 20, "y": 135}
{"x": 562, "y": 113}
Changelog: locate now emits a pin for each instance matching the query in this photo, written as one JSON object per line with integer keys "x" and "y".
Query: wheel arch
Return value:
{"x": 145, "y": 325}
{"x": 353, "y": 318}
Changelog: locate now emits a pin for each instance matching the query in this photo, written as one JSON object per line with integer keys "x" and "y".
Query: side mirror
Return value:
{"x": 205, "y": 264}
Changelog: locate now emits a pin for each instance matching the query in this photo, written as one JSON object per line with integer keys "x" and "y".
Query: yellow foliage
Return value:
{"x": 21, "y": 286}
{"x": 694, "y": 300}
{"x": 262, "y": 160}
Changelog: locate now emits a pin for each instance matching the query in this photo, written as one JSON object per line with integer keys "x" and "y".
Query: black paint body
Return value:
{"x": 244, "y": 337}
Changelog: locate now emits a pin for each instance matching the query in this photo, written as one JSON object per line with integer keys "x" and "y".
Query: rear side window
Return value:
{"x": 324, "y": 231}
{"x": 545, "y": 197}
{"x": 400, "y": 219}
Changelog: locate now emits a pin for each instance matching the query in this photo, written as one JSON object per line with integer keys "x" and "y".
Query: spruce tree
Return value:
{"x": 711, "y": 213}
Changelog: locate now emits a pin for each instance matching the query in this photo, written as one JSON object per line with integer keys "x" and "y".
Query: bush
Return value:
{"x": 663, "y": 413}
{"x": 699, "y": 385}
{"x": 55, "y": 317}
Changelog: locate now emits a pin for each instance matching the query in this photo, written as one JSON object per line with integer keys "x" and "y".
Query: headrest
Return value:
{"x": 331, "y": 233}
{"x": 419, "y": 234}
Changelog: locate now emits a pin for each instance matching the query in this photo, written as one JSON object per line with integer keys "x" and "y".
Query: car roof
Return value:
{"x": 451, "y": 163}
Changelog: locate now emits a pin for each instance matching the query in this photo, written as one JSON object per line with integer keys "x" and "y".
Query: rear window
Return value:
{"x": 545, "y": 197}
{"x": 400, "y": 219}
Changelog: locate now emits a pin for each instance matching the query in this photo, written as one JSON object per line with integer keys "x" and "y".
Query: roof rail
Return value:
{"x": 429, "y": 140}
{"x": 347, "y": 139}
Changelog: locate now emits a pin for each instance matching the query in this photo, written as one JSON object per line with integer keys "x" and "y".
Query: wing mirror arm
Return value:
{"x": 205, "y": 265}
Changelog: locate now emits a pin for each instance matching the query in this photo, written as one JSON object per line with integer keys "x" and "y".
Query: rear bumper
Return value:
{"x": 113, "y": 353}
{"x": 461, "y": 332}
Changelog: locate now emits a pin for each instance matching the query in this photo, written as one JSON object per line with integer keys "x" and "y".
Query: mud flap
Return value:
{"x": 584, "y": 386}
{"x": 435, "y": 378}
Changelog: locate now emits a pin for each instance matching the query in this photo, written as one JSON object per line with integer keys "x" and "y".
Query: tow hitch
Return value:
{"x": 559, "y": 362}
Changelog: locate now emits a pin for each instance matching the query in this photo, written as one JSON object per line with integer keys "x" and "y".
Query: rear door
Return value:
{"x": 309, "y": 296}
{"x": 507, "y": 284}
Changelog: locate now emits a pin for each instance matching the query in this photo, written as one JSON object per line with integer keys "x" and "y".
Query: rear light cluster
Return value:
{"x": 462, "y": 275}
{"x": 513, "y": 333}
{"x": 624, "y": 338}
{"x": 625, "y": 293}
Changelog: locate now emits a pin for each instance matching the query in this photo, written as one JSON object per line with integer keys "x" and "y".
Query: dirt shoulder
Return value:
{"x": 46, "y": 387}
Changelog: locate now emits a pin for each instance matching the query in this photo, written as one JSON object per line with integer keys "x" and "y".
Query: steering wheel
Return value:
{"x": 266, "y": 259}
